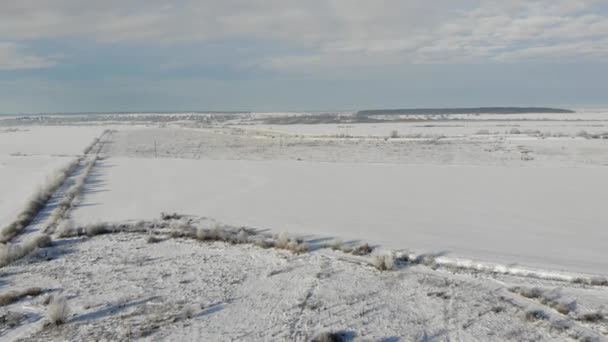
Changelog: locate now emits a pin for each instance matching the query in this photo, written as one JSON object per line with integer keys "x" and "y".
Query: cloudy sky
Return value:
{"x": 273, "y": 55}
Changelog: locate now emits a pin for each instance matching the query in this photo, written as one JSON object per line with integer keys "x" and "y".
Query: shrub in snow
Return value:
{"x": 598, "y": 281}
{"x": 96, "y": 229}
{"x": 549, "y": 298}
{"x": 595, "y": 281}
{"x": 561, "y": 325}
{"x": 564, "y": 308}
{"x": 65, "y": 229}
{"x": 242, "y": 236}
{"x": 364, "y": 249}
{"x": 534, "y": 132}
{"x": 394, "y": 134}
{"x": 535, "y": 315}
{"x": 13, "y": 296}
{"x": 582, "y": 134}
{"x": 167, "y": 216}
{"x": 331, "y": 336}
{"x": 301, "y": 247}
{"x": 532, "y": 292}
{"x": 264, "y": 243}
{"x": 153, "y": 239}
{"x": 202, "y": 234}
{"x": 514, "y": 131}
{"x": 591, "y": 317}
{"x": 338, "y": 245}
{"x": 10, "y": 252}
{"x": 384, "y": 261}
{"x": 297, "y": 246}
{"x": 281, "y": 241}
{"x": 40, "y": 241}
{"x": 187, "y": 312}
{"x": 58, "y": 311}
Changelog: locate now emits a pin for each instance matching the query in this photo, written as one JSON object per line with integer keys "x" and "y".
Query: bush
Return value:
{"x": 65, "y": 229}
{"x": 591, "y": 317}
{"x": 42, "y": 241}
{"x": 364, "y": 249}
{"x": 263, "y": 243}
{"x": 167, "y": 216}
{"x": 13, "y": 296}
{"x": 281, "y": 241}
{"x": 329, "y": 336}
{"x": 594, "y": 281}
{"x": 242, "y": 236}
{"x": 384, "y": 262}
{"x": 96, "y": 229}
{"x": 153, "y": 239}
{"x": 11, "y": 251}
{"x": 187, "y": 311}
{"x": 514, "y": 131}
{"x": 58, "y": 310}
{"x": 394, "y": 134}
{"x": 535, "y": 315}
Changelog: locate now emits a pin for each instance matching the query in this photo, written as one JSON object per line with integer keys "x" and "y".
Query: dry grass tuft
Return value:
{"x": 593, "y": 281}
{"x": 154, "y": 239}
{"x": 295, "y": 245}
{"x": 549, "y": 298}
{"x": 591, "y": 317}
{"x": 11, "y": 252}
{"x": 42, "y": 241}
{"x": 168, "y": 216}
{"x": 264, "y": 243}
{"x": 329, "y": 336}
{"x": 13, "y": 296}
{"x": 364, "y": 249}
{"x": 384, "y": 261}
{"x": 58, "y": 310}
{"x": 534, "y": 315}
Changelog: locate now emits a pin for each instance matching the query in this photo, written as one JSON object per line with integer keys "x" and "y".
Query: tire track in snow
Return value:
{"x": 45, "y": 217}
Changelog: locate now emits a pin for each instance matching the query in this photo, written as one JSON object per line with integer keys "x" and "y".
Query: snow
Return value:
{"x": 121, "y": 288}
{"x": 546, "y": 217}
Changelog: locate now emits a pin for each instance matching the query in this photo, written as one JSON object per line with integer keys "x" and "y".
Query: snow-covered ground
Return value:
{"x": 496, "y": 211}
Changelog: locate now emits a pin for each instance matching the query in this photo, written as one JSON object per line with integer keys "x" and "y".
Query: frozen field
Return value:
{"x": 494, "y": 233}
{"x": 539, "y": 216}
{"x": 46, "y": 140}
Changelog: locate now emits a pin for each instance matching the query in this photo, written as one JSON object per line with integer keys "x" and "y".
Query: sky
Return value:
{"x": 294, "y": 55}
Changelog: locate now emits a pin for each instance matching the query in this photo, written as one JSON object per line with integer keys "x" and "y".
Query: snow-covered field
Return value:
{"x": 508, "y": 226}
{"x": 546, "y": 217}
{"x": 46, "y": 140}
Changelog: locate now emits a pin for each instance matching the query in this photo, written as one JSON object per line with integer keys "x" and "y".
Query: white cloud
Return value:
{"x": 12, "y": 57}
{"x": 335, "y": 34}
